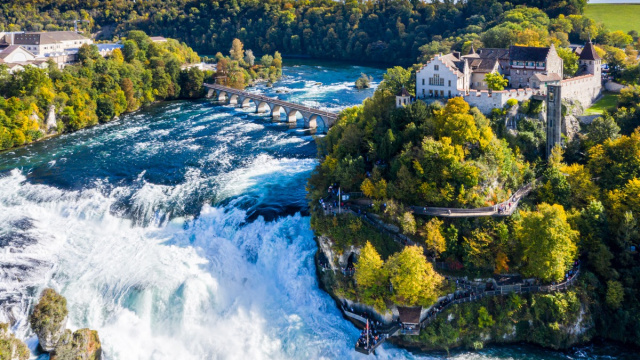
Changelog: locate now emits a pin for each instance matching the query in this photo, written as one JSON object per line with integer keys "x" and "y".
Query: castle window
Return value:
{"x": 422, "y": 81}
{"x": 517, "y": 72}
{"x": 525, "y": 72}
{"x": 436, "y": 67}
{"x": 449, "y": 82}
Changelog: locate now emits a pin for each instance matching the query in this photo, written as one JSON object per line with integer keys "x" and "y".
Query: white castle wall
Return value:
{"x": 486, "y": 101}
{"x": 584, "y": 89}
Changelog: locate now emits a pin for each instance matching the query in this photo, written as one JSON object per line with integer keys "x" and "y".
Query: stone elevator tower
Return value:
{"x": 554, "y": 117}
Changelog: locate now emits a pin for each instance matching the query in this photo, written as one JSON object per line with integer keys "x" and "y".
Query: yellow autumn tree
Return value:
{"x": 455, "y": 122}
{"x": 548, "y": 242}
{"x": 433, "y": 237}
{"x": 370, "y": 277}
{"x": 412, "y": 277}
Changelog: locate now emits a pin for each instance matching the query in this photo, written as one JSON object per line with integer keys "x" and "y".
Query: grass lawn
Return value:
{"x": 606, "y": 102}
{"x": 625, "y": 17}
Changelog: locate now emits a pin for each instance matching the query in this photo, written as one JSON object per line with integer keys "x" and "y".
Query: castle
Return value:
{"x": 529, "y": 70}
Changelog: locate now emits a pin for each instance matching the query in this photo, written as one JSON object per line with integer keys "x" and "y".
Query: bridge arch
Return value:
{"x": 316, "y": 122}
{"x": 233, "y": 99}
{"x": 246, "y": 102}
{"x": 294, "y": 116}
{"x": 222, "y": 96}
{"x": 262, "y": 107}
{"x": 279, "y": 113}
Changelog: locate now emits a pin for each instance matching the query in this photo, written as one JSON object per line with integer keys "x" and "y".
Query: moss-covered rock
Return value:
{"x": 10, "y": 347}
{"x": 49, "y": 319}
{"x": 84, "y": 344}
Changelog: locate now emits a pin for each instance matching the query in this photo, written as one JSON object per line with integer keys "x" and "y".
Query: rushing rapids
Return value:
{"x": 180, "y": 232}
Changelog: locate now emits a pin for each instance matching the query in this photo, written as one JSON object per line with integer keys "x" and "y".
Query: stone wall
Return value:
{"x": 585, "y": 89}
{"x": 486, "y": 101}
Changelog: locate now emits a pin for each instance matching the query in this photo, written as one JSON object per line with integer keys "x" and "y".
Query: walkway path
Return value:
{"x": 465, "y": 292}
{"x": 505, "y": 208}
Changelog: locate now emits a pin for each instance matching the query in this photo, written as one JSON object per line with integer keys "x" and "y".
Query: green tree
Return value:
{"x": 412, "y": 277}
{"x": 547, "y": 241}
{"x": 396, "y": 78}
{"x": 495, "y": 81}
{"x": 615, "y": 294}
{"x": 601, "y": 129}
{"x": 105, "y": 109}
{"x": 191, "y": 82}
{"x": 130, "y": 50}
{"x": 569, "y": 61}
{"x": 485, "y": 320}
{"x": 266, "y": 60}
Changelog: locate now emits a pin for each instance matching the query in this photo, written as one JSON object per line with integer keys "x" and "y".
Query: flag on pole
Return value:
{"x": 367, "y": 333}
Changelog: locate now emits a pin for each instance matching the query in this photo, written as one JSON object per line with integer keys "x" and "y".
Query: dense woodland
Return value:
{"x": 393, "y": 31}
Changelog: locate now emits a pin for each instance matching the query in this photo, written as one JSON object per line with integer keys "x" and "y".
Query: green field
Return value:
{"x": 607, "y": 102}
{"x": 625, "y": 17}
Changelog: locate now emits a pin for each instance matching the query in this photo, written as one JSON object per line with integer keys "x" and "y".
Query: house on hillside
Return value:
{"x": 445, "y": 76}
{"x": 16, "y": 54}
{"x": 529, "y": 70}
{"x": 16, "y": 58}
{"x": 47, "y": 43}
{"x": 158, "y": 39}
{"x": 486, "y": 61}
{"x": 527, "y": 61}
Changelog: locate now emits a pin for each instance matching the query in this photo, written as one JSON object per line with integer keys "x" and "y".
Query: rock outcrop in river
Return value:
{"x": 49, "y": 320}
{"x": 83, "y": 344}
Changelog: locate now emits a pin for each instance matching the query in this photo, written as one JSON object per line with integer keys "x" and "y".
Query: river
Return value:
{"x": 180, "y": 232}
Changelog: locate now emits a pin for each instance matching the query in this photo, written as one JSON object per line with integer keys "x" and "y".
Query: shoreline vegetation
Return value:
{"x": 39, "y": 104}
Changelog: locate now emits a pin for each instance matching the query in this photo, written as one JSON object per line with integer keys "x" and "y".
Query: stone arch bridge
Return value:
{"x": 278, "y": 109}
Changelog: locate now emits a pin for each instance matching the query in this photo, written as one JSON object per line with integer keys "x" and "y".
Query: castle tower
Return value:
{"x": 554, "y": 117}
{"x": 590, "y": 62}
{"x": 403, "y": 98}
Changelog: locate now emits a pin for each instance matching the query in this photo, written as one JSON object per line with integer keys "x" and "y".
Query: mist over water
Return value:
{"x": 180, "y": 232}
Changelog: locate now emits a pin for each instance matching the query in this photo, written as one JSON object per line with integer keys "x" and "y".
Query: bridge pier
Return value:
{"x": 275, "y": 112}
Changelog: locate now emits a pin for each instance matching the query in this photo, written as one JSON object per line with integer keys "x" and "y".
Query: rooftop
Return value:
{"x": 589, "y": 52}
{"x": 528, "y": 53}
{"x": 42, "y": 38}
{"x": 409, "y": 315}
{"x": 547, "y": 77}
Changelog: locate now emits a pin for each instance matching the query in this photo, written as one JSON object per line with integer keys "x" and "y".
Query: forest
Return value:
{"x": 391, "y": 31}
